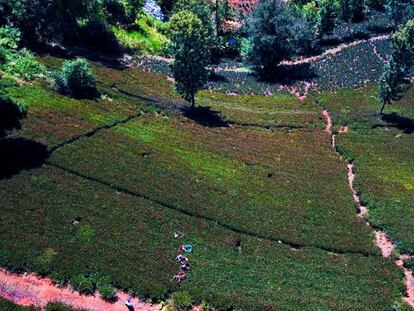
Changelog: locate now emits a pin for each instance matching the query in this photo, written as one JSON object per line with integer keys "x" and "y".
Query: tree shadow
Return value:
{"x": 215, "y": 77}
{"x": 17, "y": 154}
{"x": 288, "y": 74}
{"x": 204, "y": 116}
{"x": 73, "y": 52}
{"x": 402, "y": 123}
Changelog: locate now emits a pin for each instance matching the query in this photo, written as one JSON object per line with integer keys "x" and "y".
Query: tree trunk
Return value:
{"x": 192, "y": 101}
{"x": 217, "y": 18}
{"x": 382, "y": 108}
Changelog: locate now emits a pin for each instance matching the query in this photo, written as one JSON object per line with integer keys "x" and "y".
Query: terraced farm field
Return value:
{"x": 257, "y": 190}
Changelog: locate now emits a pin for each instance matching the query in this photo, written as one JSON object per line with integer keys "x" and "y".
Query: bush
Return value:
{"x": 58, "y": 307}
{"x": 106, "y": 290}
{"x": 43, "y": 263}
{"x": 409, "y": 264}
{"x": 181, "y": 301}
{"x": 84, "y": 284}
{"x": 24, "y": 65}
{"x": 75, "y": 79}
{"x": 376, "y": 4}
{"x": 85, "y": 234}
{"x": 352, "y": 10}
{"x": 9, "y": 37}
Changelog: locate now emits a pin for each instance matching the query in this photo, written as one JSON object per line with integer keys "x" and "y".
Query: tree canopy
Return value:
{"x": 191, "y": 49}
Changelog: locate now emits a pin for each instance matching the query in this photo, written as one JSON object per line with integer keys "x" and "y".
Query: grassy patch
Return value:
{"x": 147, "y": 37}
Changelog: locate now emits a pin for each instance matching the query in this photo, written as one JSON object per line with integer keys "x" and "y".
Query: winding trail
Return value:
{"x": 382, "y": 240}
{"x": 333, "y": 51}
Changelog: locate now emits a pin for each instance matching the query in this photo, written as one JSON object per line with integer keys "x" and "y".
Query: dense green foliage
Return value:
{"x": 150, "y": 37}
{"x": 14, "y": 61}
{"x": 76, "y": 79}
{"x": 403, "y": 44}
{"x": 400, "y": 10}
{"x": 191, "y": 50}
{"x": 272, "y": 37}
{"x": 397, "y": 69}
{"x": 389, "y": 84}
{"x": 352, "y": 10}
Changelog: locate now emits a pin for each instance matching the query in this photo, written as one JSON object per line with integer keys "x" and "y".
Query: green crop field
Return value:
{"x": 228, "y": 155}
{"x": 262, "y": 197}
{"x": 384, "y": 158}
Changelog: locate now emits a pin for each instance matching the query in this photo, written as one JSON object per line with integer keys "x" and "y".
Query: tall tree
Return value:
{"x": 399, "y": 66}
{"x": 352, "y": 10}
{"x": 191, "y": 49}
{"x": 272, "y": 37}
{"x": 400, "y": 10}
{"x": 389, "y": 84}
{"x": 403, "y": 45}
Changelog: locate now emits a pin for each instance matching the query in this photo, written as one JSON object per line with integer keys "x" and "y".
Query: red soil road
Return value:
{"x": 381, "y": 239}
{"x": 31, "y": 290}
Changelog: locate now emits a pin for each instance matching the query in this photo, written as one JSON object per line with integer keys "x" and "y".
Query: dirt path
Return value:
{"x": 31, "y": 290}
{"x": 334, "y": 51}
{"x": 382, "y": 240}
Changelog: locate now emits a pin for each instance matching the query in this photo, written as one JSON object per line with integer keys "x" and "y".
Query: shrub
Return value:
{"x": 381, "y": 24}
{"x": 409, "y": 264}
{"x": 9, "y": 37}
{"x": 181, "y": 301}
{"x": 245, "y": 46}
{"x": 106, "y": 290}
{"x": 352, "y": 10}
{"x": 85, "y": 234}
{"x": 24, "y": 65}
{"x": 58, "y": 307}
{"x": 403, "y": 44}
{"x": 83, "y": 284}
{"x": 43, "y": 263}
{"x": 376, "y": 4}
{"x": 75, "y": 79}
